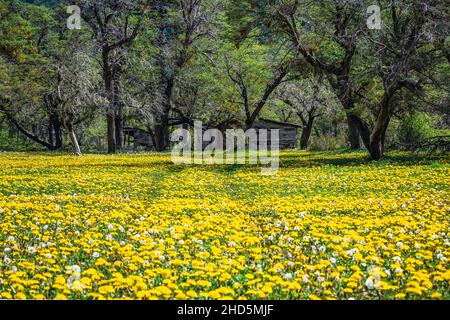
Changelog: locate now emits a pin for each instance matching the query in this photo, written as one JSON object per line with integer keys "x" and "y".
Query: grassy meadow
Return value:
{"x": 329, "y": 225}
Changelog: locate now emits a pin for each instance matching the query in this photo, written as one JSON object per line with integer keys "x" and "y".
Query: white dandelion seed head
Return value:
{"x": 369, "y": 284}
{"x": 76, "y": 268}
{"x": 287, "y": 276}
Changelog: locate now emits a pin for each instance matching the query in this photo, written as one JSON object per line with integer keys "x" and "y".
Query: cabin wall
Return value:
{"x": 288, "y": 134}
{"x": 140, "y": 139}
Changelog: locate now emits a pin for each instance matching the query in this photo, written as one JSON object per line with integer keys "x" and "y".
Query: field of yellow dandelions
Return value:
{"x": 327, "y": 226}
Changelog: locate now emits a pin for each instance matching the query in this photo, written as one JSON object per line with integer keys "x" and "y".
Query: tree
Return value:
{"x": 334, "y": 50}
{"x": 116, "y": 24}
{"x": 23, "y": 68}
{"x": 405, "y": 54}
{"x": 308, "y": 99}
{"x": 342, "y": 38}
{"x": 51, "y": 86}
{"x": 74, "y": 86}
{"x": 181, "y": 26}
{"x": 239, "y": 75}
{"x": 168, "y": 63}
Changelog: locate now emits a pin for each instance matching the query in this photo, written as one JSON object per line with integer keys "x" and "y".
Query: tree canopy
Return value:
{"x": 156, "y": 65}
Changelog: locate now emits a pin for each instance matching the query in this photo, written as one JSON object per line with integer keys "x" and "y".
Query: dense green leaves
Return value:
{"x": 224, "y": 62}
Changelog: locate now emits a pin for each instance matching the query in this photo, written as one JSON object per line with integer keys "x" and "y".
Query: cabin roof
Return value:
{"x": 284, "y": 124}
{"x": 133, "y": 129}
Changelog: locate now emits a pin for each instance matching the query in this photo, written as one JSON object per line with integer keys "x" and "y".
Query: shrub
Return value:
{"x": 415, "y": 128}
{"x": 323, "y": 143}
{"x": 16, "y": 144}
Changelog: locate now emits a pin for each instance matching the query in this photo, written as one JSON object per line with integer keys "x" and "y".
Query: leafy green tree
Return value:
{"x": 415, "y": 129}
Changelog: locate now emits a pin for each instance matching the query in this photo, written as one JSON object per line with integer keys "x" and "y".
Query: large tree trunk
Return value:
{"x": 376, "y": 149}
{"x": 56, "y": 131}
{"x": 73, "y": 140}
{"x": 341, "y": 86}
{"x": 109, "y": 90}
{"x": 58, "y": 135}
{"x": 162, "y": 134}
{"x": 11, "y": 130}
{"x": 162, "y": 137}
{"x": 50, "y": 133}
{"x": 306, "y": 133}
{"x": 353, "y": 135}
{"x": 378, "y": 136}
{"x": 68, "y": 124}
{"x": 111, "y": 132}
{"x": 118, "y": 123}
{"x": 118, "y": 108}
{"x": 383, "y": 137}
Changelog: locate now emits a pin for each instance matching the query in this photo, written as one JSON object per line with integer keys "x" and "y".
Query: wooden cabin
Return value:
{"x": 136, "y": 138}
{"x": 288, "y": 132}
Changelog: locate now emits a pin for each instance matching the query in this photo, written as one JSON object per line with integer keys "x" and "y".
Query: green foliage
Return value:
{"x": 15, "y": 34}
{"x": 415, "y": 128}
{"x": 16, "y": 144}
{"x": 47, "y": 3}
{"x": 245, "y": 40}
{"x": 322, "y": 143}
